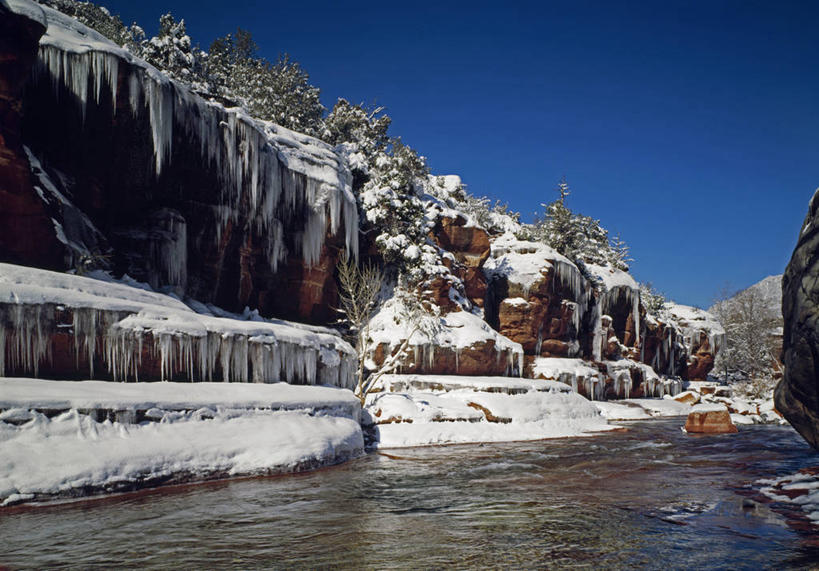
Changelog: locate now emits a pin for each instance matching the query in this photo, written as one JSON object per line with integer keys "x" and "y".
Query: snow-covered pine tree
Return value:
{"x": 652, "y": 300}
{"x": 171, "y": 51}
{"x": 391, "y": 203}
{"x": 619, "y": 255}
{"x": 556, "y": 227}
{"x": 279, "y": 92}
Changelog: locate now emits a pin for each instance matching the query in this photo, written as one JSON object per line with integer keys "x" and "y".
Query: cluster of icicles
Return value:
{"x": 26, "y": 343}
{"x": 256, "y": 179}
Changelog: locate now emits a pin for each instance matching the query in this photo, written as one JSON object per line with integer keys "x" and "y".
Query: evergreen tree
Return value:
{"x": 171, "y": 51}
{"x": 278, "y": 92}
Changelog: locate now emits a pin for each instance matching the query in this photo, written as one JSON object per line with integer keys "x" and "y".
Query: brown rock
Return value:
{"x": 688, "y": 397}
{"x": 469, "y": 244}
{"x": 488, "y": 414}
{"x": 710, "y": 422}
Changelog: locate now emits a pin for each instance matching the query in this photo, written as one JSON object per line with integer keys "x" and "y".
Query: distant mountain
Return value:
{"x": 769, "y": 291}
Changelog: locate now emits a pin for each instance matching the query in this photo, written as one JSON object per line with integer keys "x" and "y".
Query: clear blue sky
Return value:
{"x": 689, "y": 127}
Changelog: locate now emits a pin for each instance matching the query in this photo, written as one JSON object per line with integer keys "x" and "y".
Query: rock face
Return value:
{"x": 797, "y": 394}
{"x": 179, "y": 192}
{"x": 26, "y": 231}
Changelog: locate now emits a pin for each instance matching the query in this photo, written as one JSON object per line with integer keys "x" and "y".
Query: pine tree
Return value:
{"x": 170, "y": 51}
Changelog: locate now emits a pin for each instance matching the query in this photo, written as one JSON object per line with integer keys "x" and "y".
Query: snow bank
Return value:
{"x": 621, "y": 411}
{"x": 113, "y": 322}
{"x": 479, "y": 409}
{"x": 73, "y": 455}
{"x": 37, "y": 394}
{"x": 267, "y": 172}
{"x": 25, "y": 8}
{"x": 662, "y": 407}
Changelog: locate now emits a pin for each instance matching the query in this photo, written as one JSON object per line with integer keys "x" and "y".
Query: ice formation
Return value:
{"x": 118, "y": 325}
{"x": 268, "y": 174}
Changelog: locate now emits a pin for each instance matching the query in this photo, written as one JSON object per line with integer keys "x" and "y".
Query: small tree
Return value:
{"x": 749, "y": 348}
{"x": 653, "y": 300}
{"x": 359, "y": 289}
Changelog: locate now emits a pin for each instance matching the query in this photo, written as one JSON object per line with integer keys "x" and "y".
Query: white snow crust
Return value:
{"x": 39, "y": 394}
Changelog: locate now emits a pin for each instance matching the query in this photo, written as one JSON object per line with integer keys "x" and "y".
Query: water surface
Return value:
{"x": 650, "y": 497}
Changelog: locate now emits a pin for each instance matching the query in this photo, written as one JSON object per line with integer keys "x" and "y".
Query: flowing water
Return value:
{"x": 648, "y": 497}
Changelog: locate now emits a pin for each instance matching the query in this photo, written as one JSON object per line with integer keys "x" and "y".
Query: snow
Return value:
{"x": 54, "y": 441}
{"x": 25, "y": 8}
{"x": 73, "y": 454}
{"x": 800, "y": 489}
{"x": 709, "y": 407}
{"x": 525, "y": 263}
{"x": 662, "y": 407}
{"x": 621, "y": 411}
{"x": 120, "y": 319}
{"x": 477, "y": 409}
{"x": 695, "y": 322}
{"x": 22, "y": 393}
{"x": 267, "y": 172}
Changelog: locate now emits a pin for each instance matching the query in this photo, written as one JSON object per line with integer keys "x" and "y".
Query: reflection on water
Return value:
{"x": 651, "y": 496}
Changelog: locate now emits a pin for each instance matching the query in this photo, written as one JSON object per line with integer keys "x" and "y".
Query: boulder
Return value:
{"x": 797, "y": 394}
{"x": 709, "y": 419}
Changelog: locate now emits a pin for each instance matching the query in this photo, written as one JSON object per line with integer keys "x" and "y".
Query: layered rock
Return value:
{"x": 457, "y": 343}
{"x": 797, "y": 394}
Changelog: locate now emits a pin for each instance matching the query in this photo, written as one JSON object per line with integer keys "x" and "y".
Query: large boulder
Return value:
{"x": 709, "y": 419}
{"x": 797, "y": 394}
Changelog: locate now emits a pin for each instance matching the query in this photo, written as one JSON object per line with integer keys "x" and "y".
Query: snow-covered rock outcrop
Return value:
{"x": 72, "y": 326}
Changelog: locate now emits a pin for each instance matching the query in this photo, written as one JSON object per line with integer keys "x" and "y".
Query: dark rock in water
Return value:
{"x": 797, "y": 394}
